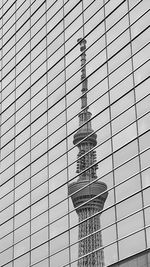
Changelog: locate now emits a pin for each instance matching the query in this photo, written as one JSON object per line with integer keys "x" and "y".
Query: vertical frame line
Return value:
{"x": 136, "y": 120}
{"x": 66, "y": 119}
{"x": 111, "y": 132}
{"x": 48, "y": 153}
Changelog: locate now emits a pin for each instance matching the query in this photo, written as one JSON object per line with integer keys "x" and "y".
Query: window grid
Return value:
{"x": 79, "y": 69}
{"x": 93, "y": 29}
{"x": 74, "y": 131}
{"x": 103, "y": 177}
{"x": 73, "y": 88}
{"x": 118, "y": 220}
{"x": 92, "y": 88}
{"x": 40, "y": 107}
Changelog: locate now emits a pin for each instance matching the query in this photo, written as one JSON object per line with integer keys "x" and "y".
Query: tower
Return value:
{"x": 83, "y": 192}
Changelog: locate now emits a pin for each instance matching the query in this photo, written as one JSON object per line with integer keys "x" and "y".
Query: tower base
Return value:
{"x": 92, "y": 242}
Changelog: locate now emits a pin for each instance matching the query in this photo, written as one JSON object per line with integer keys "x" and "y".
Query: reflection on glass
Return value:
{"x": 40, "y": 106}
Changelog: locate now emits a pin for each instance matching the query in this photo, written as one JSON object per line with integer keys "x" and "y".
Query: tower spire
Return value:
{"x": 88, "y": 198}
{"x": 82, "y": 43}
{"x": 85, "y": 161}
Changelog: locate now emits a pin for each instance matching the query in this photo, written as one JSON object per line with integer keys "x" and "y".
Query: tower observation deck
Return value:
{"x": 84, "y": 200}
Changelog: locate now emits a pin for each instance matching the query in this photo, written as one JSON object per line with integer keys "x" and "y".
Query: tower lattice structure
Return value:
{"x": 88, "y": 195}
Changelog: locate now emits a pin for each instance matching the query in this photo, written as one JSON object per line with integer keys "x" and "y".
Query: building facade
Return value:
{"x": 40, "y": 107}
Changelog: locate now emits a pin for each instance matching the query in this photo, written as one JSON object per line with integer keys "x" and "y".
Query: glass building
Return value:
{"x": 40, "y": 106}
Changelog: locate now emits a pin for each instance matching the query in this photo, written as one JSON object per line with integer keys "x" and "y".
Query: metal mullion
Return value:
{"x": 94, "y": 198}
{"x": 108, "y": 190}
{"x": 113, "y": 135}
{"x": 30, "y": 140}
{"x": 61, "y": 85}
{"x": 22, "y": 37}
{"x": 31, "y": 5}
{"x": 129, "y": 257}
{"x": 63, "y": 111}
{"x": 80, "y": 223}
{"x": 70, "y": 78}
{"x": 98, "y": 249}
{"x": 75, "y": 101}
{"x": 111, "y": 132}
{"x": 66, "y": 53}
{"x": 94, "y": 132}
{"x": 104, "y": 228}
{"x": 137, "y": 126}
{"x": 127, "y": 179}
{"x": 112, "y": 265}
{"x": 75, "y": 162}
{"x": 16, "y": 20}
{"x": 23, "y": 24}
{"x": 97, "y": 231}
{"x": 14, "y": 165}
{"x": 130, "y": 177}
{"x": 48, "y": 156}
{"x": 79, "y": 28}
{"x": 91, "y": 149}
{"x": 42, "y": 63}
{"x": 74, "y": 177}
{"x": 66, "y": 133}
{"x": 78, "y": 98}
{"x": 44, "y": 24}
{"x": 86, "y": 137}
{"x": 14, "y": 14}
{"x": 88, "y": 90}
{"x": 51, "y": 30}
{"x": 73, "y": 132}
{"x": 40, "y": 30}
{"x": 69, "y": 213}
{"x": 35, "y": 47}
{"x": 39, "y": 186}
{"x": 99, "y": 160}
{"x": 33, "y": 122}
{"x": 8, "y": 7}
{"x": 1, "y": 72}
{"x": 3, "y": 5}
{"x": 20, "y": 84}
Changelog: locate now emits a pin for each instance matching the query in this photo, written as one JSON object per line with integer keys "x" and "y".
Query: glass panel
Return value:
{"x": 110, "y": 254}
{"x": 39, "y": 237}
{"x": 125, "y": 136}
{"x": 130, "y": 225}
{"x": 6, "y": 256}
{"x": 131, "y": 245}
{"x": 145, "y": 178}
{"x": 6, "y": 242}
{"x": 39, "y": 253}
{"x": 21, "y": 247}
{"x": 43, "y": 262}
{"x": 129, "y": 206}
{"x": 22, "y": 233}
{"x": 146, "y": 193}
{"x": 22, "y": 261}
{"x": 148, "y": 236}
